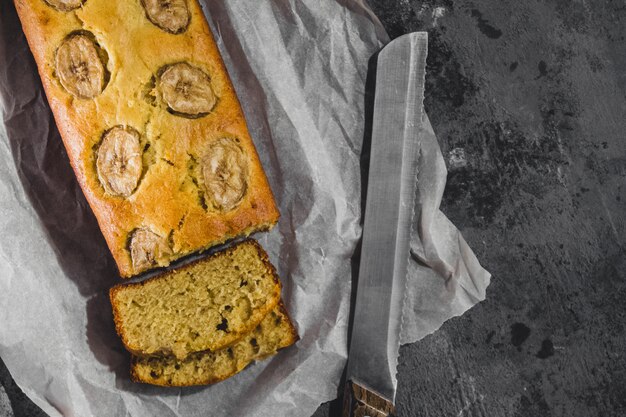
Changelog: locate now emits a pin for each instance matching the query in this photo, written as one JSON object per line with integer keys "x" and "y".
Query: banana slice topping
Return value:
{"x": 79, "y": 67}
{"x": 186, "y": 90}
{"x": 225, "y": 174}
{"x": 170, "y": 15}
{"x": 65, "y": 5}
{"x": 148, "y": 249}
{"x": 119, "y": 161}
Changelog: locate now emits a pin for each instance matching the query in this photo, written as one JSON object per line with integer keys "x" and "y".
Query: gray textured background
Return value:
{"x": 528, "y": 99}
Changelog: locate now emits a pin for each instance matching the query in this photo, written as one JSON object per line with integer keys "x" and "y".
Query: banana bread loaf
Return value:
{"x": 207, "y": 305}
{"x": 275, "y": 332}
{"x": 151, "y": 123}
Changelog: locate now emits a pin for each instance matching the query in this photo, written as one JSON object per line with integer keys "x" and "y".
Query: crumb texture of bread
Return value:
{"x": 151, "y": 123}
{"x": 206, "y": 305}
{"x": 275, "y": 332}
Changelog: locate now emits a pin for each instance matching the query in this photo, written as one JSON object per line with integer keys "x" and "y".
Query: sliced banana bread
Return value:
{"x": 273, "y": 333}
{"x": 206, "y": 305}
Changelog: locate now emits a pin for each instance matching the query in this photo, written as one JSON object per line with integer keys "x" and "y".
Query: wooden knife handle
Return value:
{"x": 359, "y": 401}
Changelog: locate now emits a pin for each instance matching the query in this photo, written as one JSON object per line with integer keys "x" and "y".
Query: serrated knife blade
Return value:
{"x": 392, "y": 183}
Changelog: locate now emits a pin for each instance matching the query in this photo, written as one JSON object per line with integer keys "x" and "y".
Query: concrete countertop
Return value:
{"x": 528, "y": 100}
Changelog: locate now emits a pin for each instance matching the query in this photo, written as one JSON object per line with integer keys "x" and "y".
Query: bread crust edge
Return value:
{"x": 135, "y": 350}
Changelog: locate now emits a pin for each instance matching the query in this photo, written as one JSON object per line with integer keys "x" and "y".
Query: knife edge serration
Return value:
{"x": 389, "y": 209}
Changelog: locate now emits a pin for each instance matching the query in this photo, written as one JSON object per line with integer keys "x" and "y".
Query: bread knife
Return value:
{"x": 392, "y": 182}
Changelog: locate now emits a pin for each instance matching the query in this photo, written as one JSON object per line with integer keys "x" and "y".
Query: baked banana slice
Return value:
{"x": 186, "y": 90}
{"x": 148, "y": 249}
{"x": 79, "y": 66}
{"x": 65, "y": 5}
{"x": 119, "y": 161}
{"x": 225, "y": 174}
{"x": 170, "y": 15}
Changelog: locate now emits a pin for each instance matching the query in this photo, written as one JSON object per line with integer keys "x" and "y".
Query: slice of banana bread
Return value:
{"x": 207, "y": 305}
{"x": 201, "y": 368}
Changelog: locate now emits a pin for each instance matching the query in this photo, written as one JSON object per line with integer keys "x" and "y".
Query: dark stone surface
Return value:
{"x": 528, "y": 99}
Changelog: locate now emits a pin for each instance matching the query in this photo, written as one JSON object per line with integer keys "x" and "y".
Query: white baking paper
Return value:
{"x": 300, "y": 68}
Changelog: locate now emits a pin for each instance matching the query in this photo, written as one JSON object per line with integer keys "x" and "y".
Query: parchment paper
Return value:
{"x": 300, "y": 68}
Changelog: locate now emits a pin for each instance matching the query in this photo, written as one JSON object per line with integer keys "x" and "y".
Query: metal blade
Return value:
{"x": 392, "y": 183}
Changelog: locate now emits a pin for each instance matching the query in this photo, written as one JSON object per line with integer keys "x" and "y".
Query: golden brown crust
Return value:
{"x": 166, "y": 200}
{"x": 135, "y": 350}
